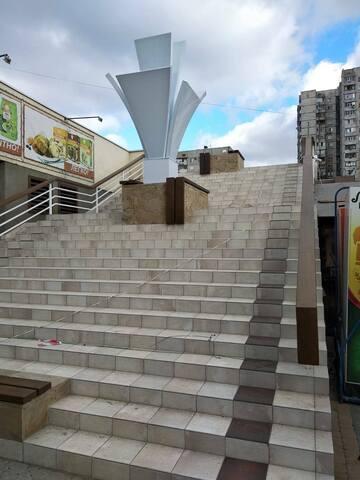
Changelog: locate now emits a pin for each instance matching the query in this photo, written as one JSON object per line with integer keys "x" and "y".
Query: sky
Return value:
{"x": 252, "y": 57}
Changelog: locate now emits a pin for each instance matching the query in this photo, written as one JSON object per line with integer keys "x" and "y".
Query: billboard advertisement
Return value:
{"x": 10, "y": 126}
{"x": 353, "y": 288}
{"x": 53, "y": 143}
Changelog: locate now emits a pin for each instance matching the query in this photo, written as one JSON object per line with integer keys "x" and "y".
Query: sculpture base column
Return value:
{"x": 159, "y": 169}
{"x": 172, "y": 202}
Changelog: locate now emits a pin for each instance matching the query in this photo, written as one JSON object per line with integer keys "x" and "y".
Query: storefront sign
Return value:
{"x": 53, "y": 143}
{"x": 353, "y": 288}
{"x": 10, "y": 126}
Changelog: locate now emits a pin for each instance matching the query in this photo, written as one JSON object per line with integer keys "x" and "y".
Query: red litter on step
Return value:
{"x": 50, "y": 341}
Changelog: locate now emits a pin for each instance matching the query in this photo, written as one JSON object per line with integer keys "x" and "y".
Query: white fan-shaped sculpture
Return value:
{"x": 160, "y": 111}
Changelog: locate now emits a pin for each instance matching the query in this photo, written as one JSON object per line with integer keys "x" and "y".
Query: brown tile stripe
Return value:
{"x": 233, "y": 469}
{"x": 263, "y": 396}
{"x": 262, "y": 341}
{"x": 266, "y": 366}
{"x": 258, "y": 319}
{"x": 249, "y": 430}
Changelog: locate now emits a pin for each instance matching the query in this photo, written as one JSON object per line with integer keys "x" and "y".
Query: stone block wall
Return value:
{"x": 144, "y": 203}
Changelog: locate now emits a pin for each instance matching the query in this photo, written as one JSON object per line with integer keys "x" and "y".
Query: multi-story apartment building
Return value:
{"x": 349, "y": 90}
{"x": 333, "y": 118}
{"x": 318, "y": 115}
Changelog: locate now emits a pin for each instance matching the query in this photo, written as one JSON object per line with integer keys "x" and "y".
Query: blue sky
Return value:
{"x": 335, "y": 43}
{"x": 261, "y": 55}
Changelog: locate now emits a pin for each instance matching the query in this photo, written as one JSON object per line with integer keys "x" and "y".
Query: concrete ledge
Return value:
{"x": 168, "y": 203}
{"x": 189, "y": 197}
{"x": 221, "y": 163}
{"x": 19, "y": 421}
{"x": 144, "y": 203}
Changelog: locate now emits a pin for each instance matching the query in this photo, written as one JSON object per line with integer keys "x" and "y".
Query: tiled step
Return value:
{"x": 216, "y": 323}
{"x": 150, "y": 252}
{"x": 183, "y": 428}
{"x": 137, "y": 274}
{"x": 172, "y": 275}
{"x": 139, "y": 244}
{"x": 108, "y": 333}
{"x": 157, "y": 340}
{"x": 176, "y": 288}
{"x": 106, "y": 457}
{"x": 179, "y": 341}
{"x": 77, "y": 451}
{"x": 185, "y": 303}
{"x": 213, "y": 263}
{"x": 253, "y": 373}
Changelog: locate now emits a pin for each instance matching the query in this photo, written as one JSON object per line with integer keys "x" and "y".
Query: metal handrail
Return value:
{"x": 56, "y": 196}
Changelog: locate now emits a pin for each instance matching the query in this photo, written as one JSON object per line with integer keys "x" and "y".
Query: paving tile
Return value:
{"x": 84, "y": 443}
{"x": 119, "y": 450}
{"x": 234, "y": 469}
{"x": 75, "y": 403}
{"x": 287, "y": 436}
{"x": 283, "y": 473}
{"x": 249, "y": 430}
{"x": 255, "y": 395}
{"x": 179, "y": 385}
{"x": 268, "y": 366}
{"x": 212, "y": 424}
{"x": 262, "y": 341}
{"x": 157, "y": 457}
{"x": 219, "y": 390}
{"x": 50, "y": 436}
{"x": 136, "y": 412}
{"x": 196, "y": 465}
{"x": 172, "y": 418}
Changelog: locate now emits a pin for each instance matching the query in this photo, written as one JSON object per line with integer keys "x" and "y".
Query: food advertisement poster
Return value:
{"x": 54, "y": 143}
{"x": 353, "y": 290}
{"x": 10, "y": 126}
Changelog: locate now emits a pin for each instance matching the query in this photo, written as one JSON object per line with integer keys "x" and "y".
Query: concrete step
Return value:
{"x": 142, "y": 274}
{"x": 177, "y": 289}
{"x": 160, "y": 340}
{"x": 280, "y": 404}
{"x": 209, "y": 263}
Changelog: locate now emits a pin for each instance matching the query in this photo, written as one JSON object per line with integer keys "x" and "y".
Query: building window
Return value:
{"x": 350, "y": 155}
{"x": 349, "y": 96}
{"x": 351, "y": 146}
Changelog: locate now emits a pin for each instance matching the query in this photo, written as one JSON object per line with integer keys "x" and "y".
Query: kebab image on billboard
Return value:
{"x": 49, "y": 142}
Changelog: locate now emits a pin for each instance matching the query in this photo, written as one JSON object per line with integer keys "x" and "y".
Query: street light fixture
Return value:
{"x": 6, "y": 58}
{"x": 80, "y": 118}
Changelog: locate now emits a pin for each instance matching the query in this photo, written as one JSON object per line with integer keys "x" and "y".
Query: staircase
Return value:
{"x": 179, "y": 342}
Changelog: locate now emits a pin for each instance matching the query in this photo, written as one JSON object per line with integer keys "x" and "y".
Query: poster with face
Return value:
{"x": 54, "y": 143}
{"x": 10, "y": 126}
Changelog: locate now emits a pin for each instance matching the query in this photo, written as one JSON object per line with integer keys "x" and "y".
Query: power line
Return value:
{"x": 104, "y": 87}
{"x": 242, "y": 108}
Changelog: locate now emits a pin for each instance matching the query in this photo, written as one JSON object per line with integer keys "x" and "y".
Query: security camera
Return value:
{"x": 6, "y": 58}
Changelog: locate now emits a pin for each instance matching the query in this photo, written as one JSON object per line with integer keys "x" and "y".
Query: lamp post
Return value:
{"x": 80, "y": 118}
{"x": 6, "y": 58}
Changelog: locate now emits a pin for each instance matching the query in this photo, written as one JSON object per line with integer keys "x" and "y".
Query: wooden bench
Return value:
{"x": 21, "y": 390}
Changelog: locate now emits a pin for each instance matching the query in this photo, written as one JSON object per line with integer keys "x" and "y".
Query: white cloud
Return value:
{"x": 323, "y": 76}
{"x": 249, "y": 52}
{"x": 118, "y": 139}
{"x": 268, "y": 139}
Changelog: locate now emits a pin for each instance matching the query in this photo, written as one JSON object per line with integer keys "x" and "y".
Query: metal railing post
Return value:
{"x": 50, "y": 199}
{"x": 97, "y": 200}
